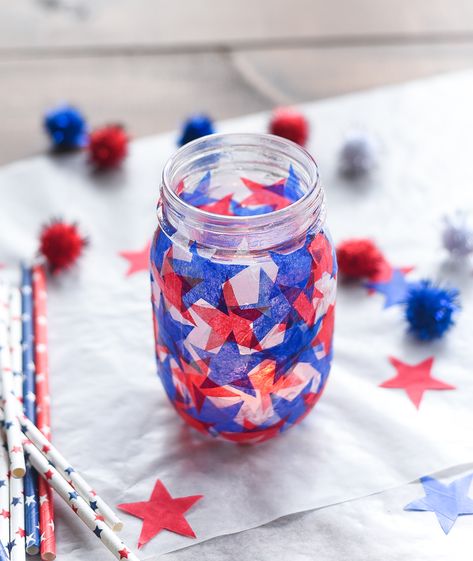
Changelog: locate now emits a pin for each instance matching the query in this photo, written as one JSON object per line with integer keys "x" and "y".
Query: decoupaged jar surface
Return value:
{"x": 243, "y": 278}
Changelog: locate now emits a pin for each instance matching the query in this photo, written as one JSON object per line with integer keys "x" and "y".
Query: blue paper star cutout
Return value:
{"x": 165, "y": 373}
{"x": 93, "y": 505}
{"x": 73, "y": 496}
{"x": 200, "y": 196}
{"x": 394, "y": 290}
{"x": 11, "y": 545}
{"x": 158, "y": 249}
{"x": 2, "y": 483}
{"x": 16, "y": 501}
{"x": 220, "y": 419}
{"x": 172, "y": 333}
{"x": 447, "y": 501}
{"x": 212, "y": 275}
{"x": 293, "y": 268}
{"x": 229, "y": 367}
{"x": 69, "y": 470}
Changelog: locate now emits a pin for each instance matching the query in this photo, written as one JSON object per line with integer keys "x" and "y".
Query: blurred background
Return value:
{"x": 149, "y": 63}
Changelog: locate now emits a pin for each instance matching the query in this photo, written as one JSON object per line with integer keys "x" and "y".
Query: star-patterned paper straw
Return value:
{"x": 29, "y": 399}
{"x": 16, "y": 545}
{"x": 4, "y": 491}
{"x": 92, "y": 520}
{"x": 43, "y": 414}
{"x": 3, "y": 553}
{"x": 70, "y": 474}
{"x": 12, "y": 428}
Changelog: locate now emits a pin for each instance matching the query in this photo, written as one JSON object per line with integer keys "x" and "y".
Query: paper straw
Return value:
{"x": 4, "y": 491}
{"x": 17, "y": 544}
{"x": 70, "y": 474}
{"x": 3, "y": 553}
{"x": 29, "y": 406}
{"x": 43, "y": 415}
{"x": 92, "y": 520}
{"x": 12, "y": 429}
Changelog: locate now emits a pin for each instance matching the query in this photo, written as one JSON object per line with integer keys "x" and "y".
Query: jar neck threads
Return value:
{"x": 228, "y": 158}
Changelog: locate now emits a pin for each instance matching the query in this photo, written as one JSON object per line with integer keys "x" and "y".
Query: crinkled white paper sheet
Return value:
{"x": 367, "y": 529}
{"x": 110, "y": 415}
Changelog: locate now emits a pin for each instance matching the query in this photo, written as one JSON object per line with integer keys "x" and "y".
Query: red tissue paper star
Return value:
{"x": 415, "y": 379}
{"x": 137, "y": 260}
{"x": 161, "y": 512}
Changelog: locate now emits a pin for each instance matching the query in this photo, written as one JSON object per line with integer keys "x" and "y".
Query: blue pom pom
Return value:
{"x": 195, "y": 127}
{"x": 66, "y": 127}
{"x": 430, "y": 309}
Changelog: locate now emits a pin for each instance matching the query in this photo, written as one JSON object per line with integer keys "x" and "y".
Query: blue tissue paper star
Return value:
{"x": 447, "y": 501}
{"x": 394, "y": 290}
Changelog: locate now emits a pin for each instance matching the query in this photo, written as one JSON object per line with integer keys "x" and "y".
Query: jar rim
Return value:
{"x": 240, "y": 139}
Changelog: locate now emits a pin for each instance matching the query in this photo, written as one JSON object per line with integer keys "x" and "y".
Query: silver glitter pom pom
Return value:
{"x": 457, "y": 235}
{"x": 359, "y": 154}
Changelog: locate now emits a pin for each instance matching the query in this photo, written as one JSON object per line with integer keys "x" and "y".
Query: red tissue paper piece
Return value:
{"x": 108, "y": 146}
{"x": 162, "y": 512}
{"x": 359, "y": 258}
{"x": 137, "y": 260}
{"x": 61, "y": 244}
{"x": 415, "y": 379}
{"x": 289, "y": 123}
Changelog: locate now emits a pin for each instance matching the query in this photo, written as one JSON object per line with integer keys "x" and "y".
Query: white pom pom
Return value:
{"x": 359, "y": 154}
{"x": 457, "y": 235}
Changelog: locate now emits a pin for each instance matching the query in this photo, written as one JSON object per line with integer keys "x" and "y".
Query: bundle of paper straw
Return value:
{"x": 23, "y": 350}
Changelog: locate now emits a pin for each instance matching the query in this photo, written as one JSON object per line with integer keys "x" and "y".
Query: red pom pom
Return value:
{"x": 359, "y": 258}
{"x": 290, "y": 124}
{"x": 108, "y": 146}
{"x": 61, "y": 244}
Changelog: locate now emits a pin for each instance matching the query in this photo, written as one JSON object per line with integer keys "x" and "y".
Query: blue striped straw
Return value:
{"x": 31, "y": 481}
{"x": 3, "y": 553}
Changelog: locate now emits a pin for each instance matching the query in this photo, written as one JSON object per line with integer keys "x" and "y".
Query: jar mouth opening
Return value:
{"x": 221, "y": 141}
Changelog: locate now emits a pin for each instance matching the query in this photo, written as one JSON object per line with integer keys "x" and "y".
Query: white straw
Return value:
{"x": 93, "y": 521}
{"x": 4, "y": 492}
{"x": 17, "y": 545}
{"x": 69, "y": 473}
{"x": 12, "y": 428}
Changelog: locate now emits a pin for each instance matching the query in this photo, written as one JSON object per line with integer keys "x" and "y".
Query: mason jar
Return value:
{"x": 243, "y": 275}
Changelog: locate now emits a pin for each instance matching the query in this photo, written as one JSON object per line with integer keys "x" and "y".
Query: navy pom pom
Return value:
{"x": 430, "y": 309}
{"x": 66, "y": 127}
{"x": 194, "y": 127}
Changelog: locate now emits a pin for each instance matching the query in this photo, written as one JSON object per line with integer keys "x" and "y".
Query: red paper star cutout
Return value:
{"x": 415, "y": 379}
{"x": 161, "y": 512}
{"x": 137, "y": 260}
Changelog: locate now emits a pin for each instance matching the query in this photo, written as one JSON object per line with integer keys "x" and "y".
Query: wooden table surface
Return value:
{"x": 148, "y": 63}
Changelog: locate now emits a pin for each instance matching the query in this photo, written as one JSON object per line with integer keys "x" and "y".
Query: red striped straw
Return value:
{"x": 43, "y": 411}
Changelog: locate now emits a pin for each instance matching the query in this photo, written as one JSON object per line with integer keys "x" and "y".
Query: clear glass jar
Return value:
{"x": 243, "y": 276}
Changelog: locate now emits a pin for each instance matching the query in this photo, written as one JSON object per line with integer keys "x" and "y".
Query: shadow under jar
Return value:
{"x": 243, "y": 276}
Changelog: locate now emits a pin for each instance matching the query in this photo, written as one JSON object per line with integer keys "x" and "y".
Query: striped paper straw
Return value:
{"x": 29, "y": 398}
{"x": 43, "y": 415}
{"x": 4, "y": 491}
{"x": 3, "y": 553}
{"x": 12, "y": 428}
{"x": 17, "y": 544}
{"x": 92, "y": 520}
{"x": 70, "y": 474}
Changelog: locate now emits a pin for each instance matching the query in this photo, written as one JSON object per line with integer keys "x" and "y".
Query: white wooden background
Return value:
{"x": 148, "y": 63}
